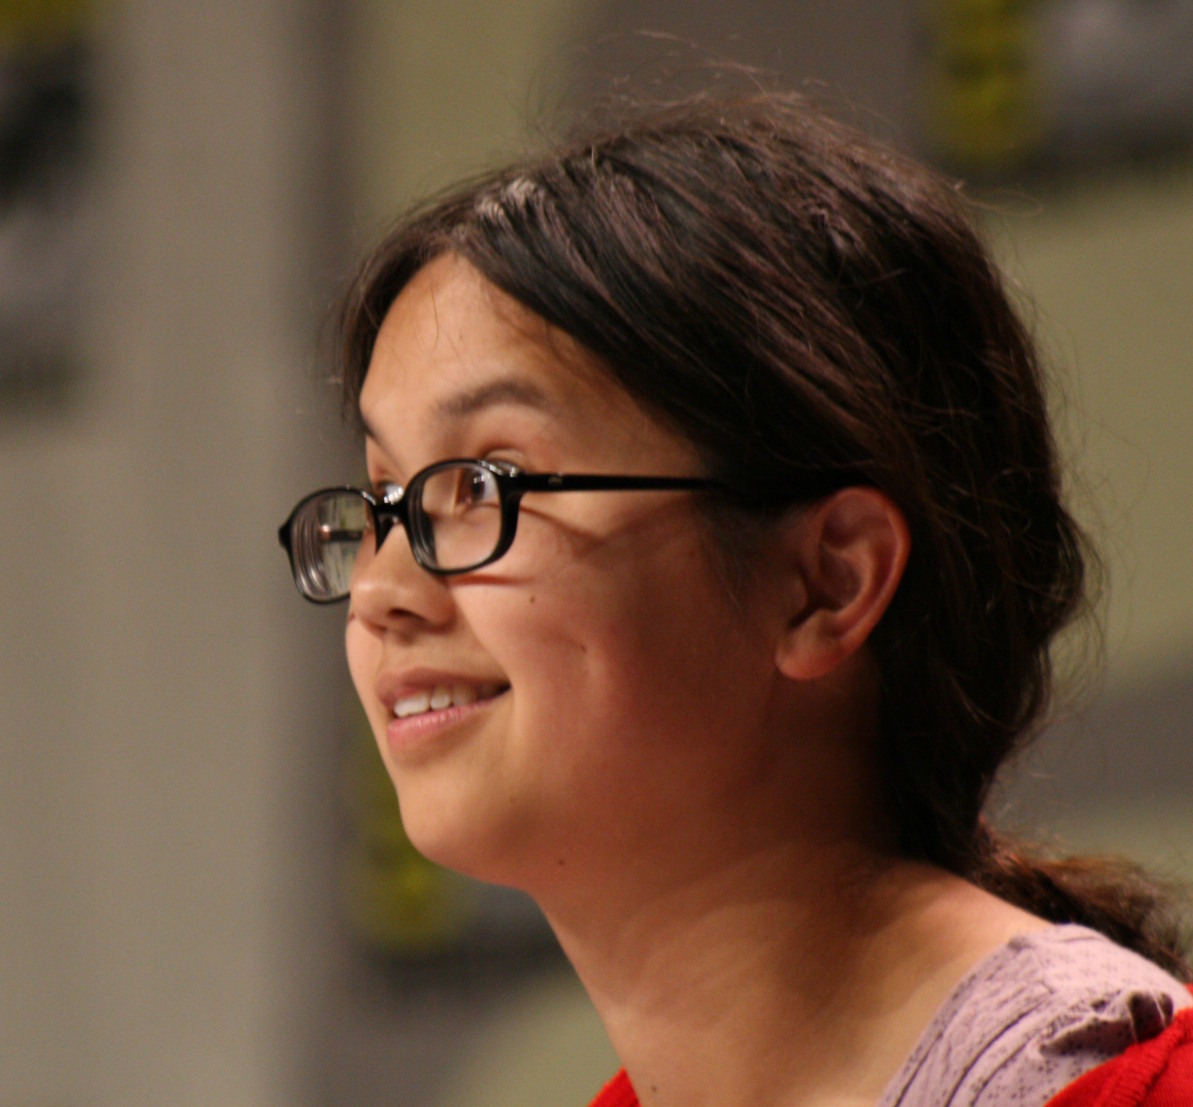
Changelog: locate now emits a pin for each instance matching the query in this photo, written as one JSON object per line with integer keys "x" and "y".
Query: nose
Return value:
{"x": 389, "y": 589}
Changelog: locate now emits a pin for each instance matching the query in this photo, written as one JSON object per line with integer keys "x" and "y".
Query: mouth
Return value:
{"x": 444, "y": 696}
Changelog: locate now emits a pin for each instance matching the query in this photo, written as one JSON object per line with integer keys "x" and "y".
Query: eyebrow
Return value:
{"x": 505, "y": 390}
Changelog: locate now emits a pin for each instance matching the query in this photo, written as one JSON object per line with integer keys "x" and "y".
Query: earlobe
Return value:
{"x": 849, "y": 552}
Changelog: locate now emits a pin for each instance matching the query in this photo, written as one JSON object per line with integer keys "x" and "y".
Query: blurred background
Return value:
{"x": 205, "y": 894}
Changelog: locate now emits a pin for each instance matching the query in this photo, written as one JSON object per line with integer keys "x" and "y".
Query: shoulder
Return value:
{"x": 1033, "y": 1018}
{"x": 1096, "y": 996}
{"x": 1154, "y": 1073}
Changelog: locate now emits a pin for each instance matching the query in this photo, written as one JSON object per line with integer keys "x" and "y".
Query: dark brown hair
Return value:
{"x": 801, "y": 303}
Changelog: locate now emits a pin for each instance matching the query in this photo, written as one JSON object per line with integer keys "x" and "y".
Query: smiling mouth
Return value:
{"x": 443, "y": 696}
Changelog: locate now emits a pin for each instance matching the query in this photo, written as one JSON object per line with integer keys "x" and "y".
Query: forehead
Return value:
{"x": 453, "y": 345}
{"x": 448, "y": 309}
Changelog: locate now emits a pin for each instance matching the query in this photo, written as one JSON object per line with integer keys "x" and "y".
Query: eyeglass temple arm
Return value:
{"x": 596, "y": 482}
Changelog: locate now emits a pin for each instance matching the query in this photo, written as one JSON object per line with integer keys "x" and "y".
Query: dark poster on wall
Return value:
{"x": 46, "y": 120}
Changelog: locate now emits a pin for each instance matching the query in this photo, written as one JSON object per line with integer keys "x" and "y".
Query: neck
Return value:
{"x": 785, "y": 976}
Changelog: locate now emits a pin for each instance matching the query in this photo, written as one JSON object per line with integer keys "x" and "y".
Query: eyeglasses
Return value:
{"x": 459, "y": 515}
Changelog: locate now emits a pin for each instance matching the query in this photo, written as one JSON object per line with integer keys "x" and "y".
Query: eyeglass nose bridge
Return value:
{"x": 386, "y": 514}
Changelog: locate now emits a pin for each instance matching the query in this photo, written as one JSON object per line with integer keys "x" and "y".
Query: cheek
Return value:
{"x": 654, "y": 652}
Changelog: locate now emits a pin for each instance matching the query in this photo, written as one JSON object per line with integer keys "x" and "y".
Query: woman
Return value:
{"x": 789, "y": 556}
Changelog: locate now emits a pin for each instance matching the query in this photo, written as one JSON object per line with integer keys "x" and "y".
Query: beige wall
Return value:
{"x": 440, "y": 90}
{"x": 1109, "y": 267}
{"x": 166, "y": 698}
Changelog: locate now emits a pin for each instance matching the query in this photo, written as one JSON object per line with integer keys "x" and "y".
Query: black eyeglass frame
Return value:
{"x": 512, "y": 484}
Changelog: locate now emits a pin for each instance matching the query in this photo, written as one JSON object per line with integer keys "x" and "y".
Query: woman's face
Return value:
{"x": 596, "y": 689}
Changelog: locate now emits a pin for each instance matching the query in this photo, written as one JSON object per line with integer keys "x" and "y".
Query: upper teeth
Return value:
{"x": 441, "y": 696}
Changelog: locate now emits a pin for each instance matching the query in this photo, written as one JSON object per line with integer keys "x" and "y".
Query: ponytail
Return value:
{"x": 1110, "y": 895}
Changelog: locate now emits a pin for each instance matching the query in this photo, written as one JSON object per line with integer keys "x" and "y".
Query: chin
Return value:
{"x": 463, "y": 840}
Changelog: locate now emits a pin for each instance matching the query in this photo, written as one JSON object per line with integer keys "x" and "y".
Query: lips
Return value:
{"x": 441, "y": 696}
{"x": 408, "y": 693}
{"x": 427, "y": 706}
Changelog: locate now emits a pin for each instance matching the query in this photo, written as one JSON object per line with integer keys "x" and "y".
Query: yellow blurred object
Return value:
{"x": 34, "y": 23}
{"x": 395, "y": 900}
{"x": 981, "y": 86}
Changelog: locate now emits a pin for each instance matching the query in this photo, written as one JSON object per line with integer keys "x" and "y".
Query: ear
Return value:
{"x": 845, "y": 558}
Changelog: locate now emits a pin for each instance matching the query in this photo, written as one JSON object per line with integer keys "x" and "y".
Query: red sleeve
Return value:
{"x": 617, "y": 1093}
{"x": 1155, "y": 1073}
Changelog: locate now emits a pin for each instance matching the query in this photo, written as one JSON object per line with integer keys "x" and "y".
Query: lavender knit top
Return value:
{"x": 1031, "y": 1018}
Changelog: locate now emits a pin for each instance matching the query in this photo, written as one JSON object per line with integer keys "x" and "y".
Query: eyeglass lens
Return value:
{"x": 325, "y": 537}
{"x": 455, "y": 520}
{"x": 456, "y": 515}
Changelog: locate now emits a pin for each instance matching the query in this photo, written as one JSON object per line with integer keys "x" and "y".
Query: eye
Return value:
{"x": 457, "y": 490}
{"x": 475, "y": 487}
